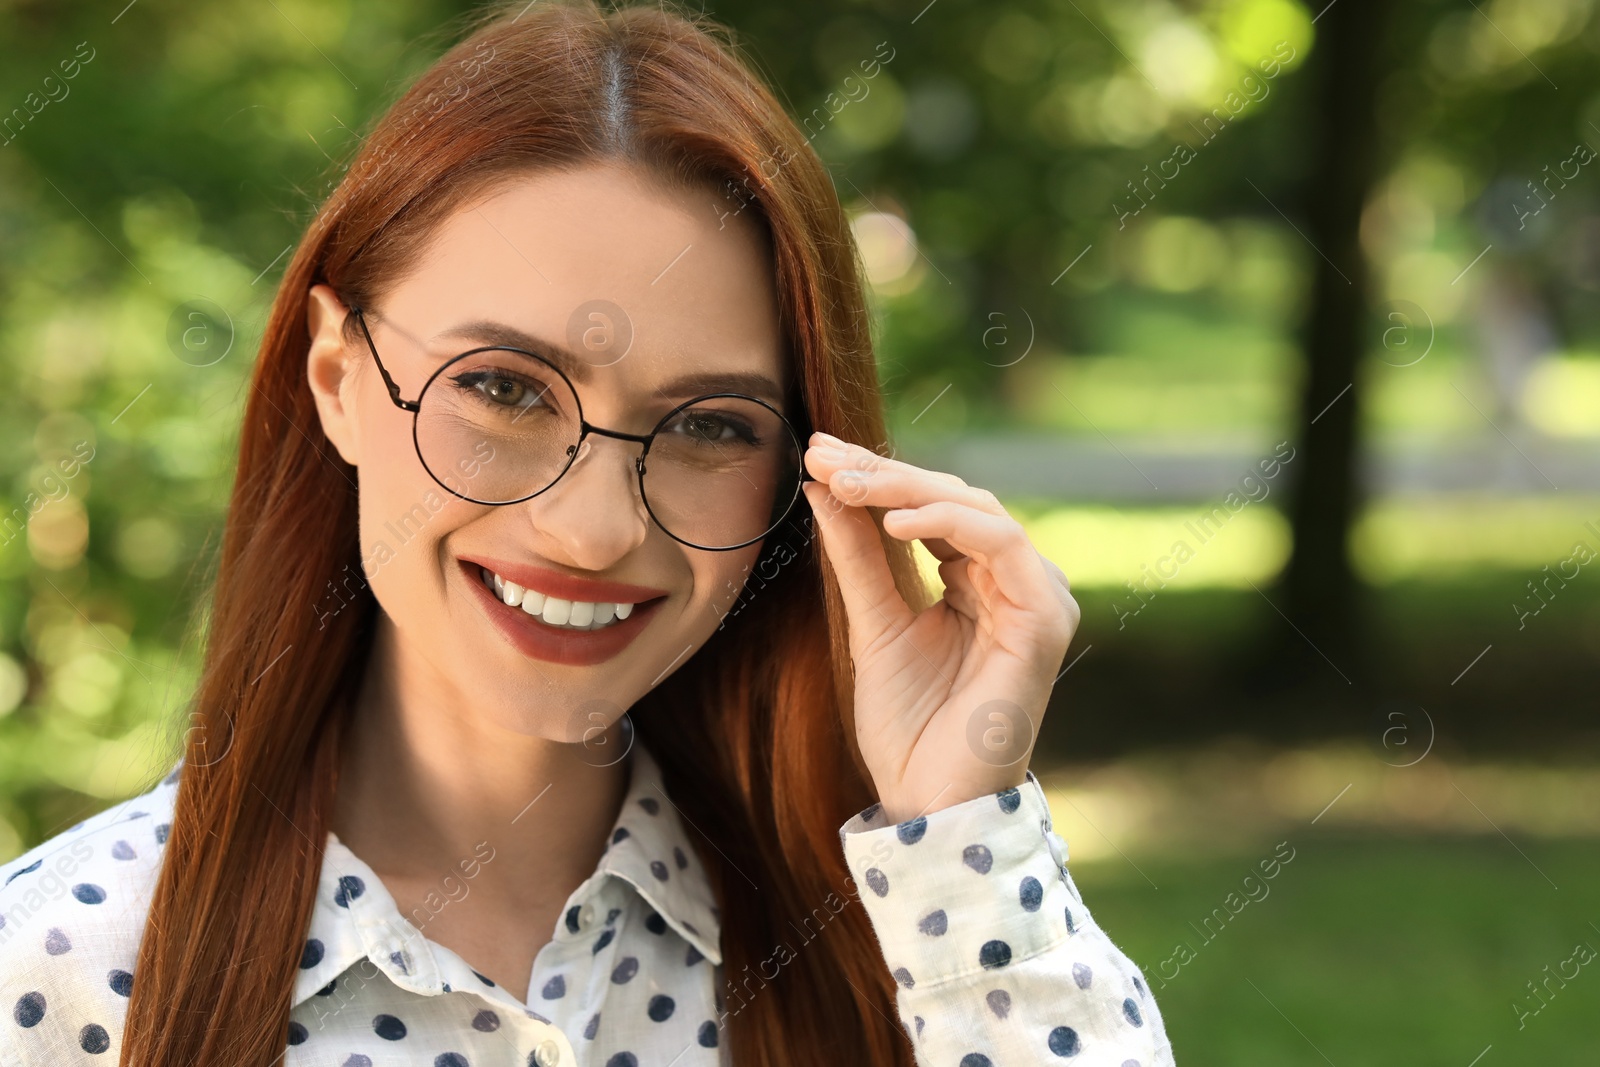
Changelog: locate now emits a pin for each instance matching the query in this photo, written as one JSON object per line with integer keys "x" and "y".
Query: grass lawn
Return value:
{"x": 1369, "y": 949}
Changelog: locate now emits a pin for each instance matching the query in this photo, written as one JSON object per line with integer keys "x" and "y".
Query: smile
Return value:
{"x": 575, "y": 622}
{"x": 554, "y": 611}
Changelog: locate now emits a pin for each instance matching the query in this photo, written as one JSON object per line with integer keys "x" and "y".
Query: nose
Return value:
{"x": 593, "y": 516}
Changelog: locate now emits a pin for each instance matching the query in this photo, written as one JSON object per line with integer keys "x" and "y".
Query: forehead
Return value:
{"x": 650, "y": 281}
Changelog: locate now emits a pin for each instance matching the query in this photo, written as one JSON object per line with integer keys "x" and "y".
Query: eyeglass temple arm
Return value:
{"x": 394, "y": 390}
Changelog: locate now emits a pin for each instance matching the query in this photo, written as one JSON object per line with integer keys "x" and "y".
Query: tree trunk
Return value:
{"x": 1319, "y": 590}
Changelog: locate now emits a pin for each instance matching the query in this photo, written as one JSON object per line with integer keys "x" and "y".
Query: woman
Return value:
{"x": 520, "y": 476}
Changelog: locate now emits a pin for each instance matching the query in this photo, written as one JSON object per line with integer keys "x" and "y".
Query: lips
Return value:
{"x": 565, "y": 586}
{"x": 557, "y": 595}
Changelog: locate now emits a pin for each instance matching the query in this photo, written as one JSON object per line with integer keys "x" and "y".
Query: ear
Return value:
{"x": 330, "y": 370}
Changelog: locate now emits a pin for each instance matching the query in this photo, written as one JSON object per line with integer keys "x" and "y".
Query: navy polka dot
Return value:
{"x": 1031, "y": 893}
{"x": 658, "y": 869}
{"x": 1072, "y": 927}
{"x": 660, "y": 1007}
{"x": 162, "y": 831}
{"x": 611, "y": 915}
{"x": 388, "y": 1027}
{"x": 602, "y": 941}
{"x": 297, "y": 1033}
{"x": 486, "y": 1021}
{"x": 1138, "y": 985}
{"x": 89, "y": 893}
{"x": 485, "y": 979}
{"x": 1010, "y": 799}
{"x": 350, "y": 887}
{"x": 311, "y": 955}
{"x": 1063, "y": 1041}
{"x": 978, "y": 857}
{"x": 572, "y": 918}
{"x": 692, "y": 956}
{"x": 870, "y": 811}
{"x": 976, "y": 1059}
{"x": 708, "y": 1034}
{"x": 911, "y": 831}
{"x": 877, "y": 881}
{"x": 555, "y": 988}
{"x": 650, "y": 804}
{"x": 123, "y": 851}
{"x": 918, "y": 1018}
{"x": 357, "y": 1060}
{"x": 624, "y": 971}
{"x": 903, "y": 976}
{"x": 93, "y": 1039}
{"x": 56, "y": 942}
{"x": 934, "y": 923}
{"x": 679, "y": 858}
{"x": 1082, "y": 975}
{"x": 592, "y": 1027}
{"x": 994, "y": 954}
{"x": 618, "y": 834}
{"x": 450, "y": 1059}
{"x": 29, "y": 1010}
{"x": 1131, "y": 1010}
{"x": 655, "y": 923}
{"x": 121, "y": 983}
{"x": 623, "y": 1059}
{"x": 999, "y": 1002}
{"x": 34, "y": 866}
{"x": 327, "y": 990}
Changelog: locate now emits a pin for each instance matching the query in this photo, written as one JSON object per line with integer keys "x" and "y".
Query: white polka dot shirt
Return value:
{"x": 997, "y": 960}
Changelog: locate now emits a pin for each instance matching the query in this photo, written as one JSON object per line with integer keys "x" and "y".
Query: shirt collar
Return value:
{"x": 647, "y": 848}
{"x": 650, "y": 850}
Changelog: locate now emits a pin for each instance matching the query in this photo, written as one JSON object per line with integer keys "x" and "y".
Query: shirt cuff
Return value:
{"x": 970, "y": 888}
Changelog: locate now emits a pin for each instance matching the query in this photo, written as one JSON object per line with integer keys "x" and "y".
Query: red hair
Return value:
{"x": 755, "y": 734}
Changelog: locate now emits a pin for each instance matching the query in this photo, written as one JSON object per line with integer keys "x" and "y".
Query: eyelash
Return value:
{"x": 472, "y": 382}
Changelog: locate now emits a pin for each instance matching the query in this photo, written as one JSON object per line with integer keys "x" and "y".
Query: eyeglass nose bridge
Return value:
{"x": 586, "y": 428}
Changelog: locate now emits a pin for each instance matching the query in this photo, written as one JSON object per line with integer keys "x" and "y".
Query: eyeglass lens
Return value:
{"x": 499, "y": 426}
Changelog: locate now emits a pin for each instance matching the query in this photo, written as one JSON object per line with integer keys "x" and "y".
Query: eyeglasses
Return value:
{"x": 499, "y": 425}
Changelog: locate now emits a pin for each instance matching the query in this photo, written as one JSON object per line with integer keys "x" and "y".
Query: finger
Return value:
{"x": 959, "y": 590}
{"x": 996, "y": 541}
{"x": 822, "y": 459}
{"x": 850, "y": 538}
{"x": 905, "y": 487}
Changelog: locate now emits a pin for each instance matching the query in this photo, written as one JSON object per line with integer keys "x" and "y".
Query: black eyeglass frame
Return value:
{"x": 585, "y": 429}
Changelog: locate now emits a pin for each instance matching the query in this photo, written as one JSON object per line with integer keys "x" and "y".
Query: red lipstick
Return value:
{"x": 535, "y": 638}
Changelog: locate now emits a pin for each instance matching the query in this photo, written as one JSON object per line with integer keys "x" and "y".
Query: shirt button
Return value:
{"x": 548, "y": 1054}
{"x": 585, "y": 920}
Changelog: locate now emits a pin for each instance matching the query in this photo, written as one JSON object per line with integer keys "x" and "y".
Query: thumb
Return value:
{"x": 854, "y": 548}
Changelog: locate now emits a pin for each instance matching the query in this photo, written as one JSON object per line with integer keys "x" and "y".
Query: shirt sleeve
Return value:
{"x": 999, "y": 963}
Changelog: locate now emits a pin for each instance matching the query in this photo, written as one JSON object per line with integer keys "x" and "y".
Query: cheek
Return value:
{"x": 404, "y": 512}
{"x": 721, "y": 579}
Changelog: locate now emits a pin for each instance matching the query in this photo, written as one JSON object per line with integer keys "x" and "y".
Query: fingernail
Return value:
{"x": 827, "y": 438}
{"x": 828, "y": 452}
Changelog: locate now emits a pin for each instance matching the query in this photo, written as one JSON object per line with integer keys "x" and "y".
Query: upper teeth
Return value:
{"x": 569, "y": 614}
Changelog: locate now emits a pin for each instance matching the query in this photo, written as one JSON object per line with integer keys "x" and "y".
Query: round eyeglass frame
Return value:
{"x": 585, "y": 429}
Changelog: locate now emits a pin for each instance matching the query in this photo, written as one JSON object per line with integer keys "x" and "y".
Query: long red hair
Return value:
{"x": 754, "y": 735}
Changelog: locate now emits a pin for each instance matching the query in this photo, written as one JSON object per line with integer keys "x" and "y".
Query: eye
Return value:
{"x": 709, "y": 427}
{"x": 504, "y": 389}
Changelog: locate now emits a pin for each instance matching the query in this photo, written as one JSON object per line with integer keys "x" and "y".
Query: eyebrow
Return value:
{"x": 499, "y": 334}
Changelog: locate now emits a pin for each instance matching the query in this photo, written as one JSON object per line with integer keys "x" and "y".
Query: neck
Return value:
{"x": 427, "y": 780}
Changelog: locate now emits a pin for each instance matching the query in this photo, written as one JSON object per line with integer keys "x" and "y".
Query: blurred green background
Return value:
{"x": 1121, "y": 253}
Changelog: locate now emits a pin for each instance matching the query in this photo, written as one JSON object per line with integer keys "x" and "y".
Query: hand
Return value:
{"x": 948, "y": 702}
